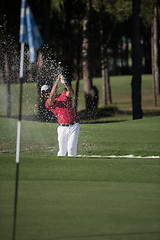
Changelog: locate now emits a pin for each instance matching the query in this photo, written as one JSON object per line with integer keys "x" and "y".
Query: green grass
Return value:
{"x": 121, "y": 92}
{"x": 138, "y": 137}
{"x": 30, "y": 96}
{"x": 121, "y": 98}
{"x": 62, "y": 198}
{"x": 76, "y": 198}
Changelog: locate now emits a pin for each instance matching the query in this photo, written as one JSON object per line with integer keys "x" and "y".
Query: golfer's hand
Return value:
{"x": 63, "y": 80}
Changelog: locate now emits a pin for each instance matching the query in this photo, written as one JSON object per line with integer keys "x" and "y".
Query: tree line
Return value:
{"x": 90, "y": 38}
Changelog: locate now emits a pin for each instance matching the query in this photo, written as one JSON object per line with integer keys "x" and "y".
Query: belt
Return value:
{"x": 68, "y": 124}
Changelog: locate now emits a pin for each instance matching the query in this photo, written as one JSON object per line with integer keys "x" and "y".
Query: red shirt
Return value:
{"x": 63, "y": 109}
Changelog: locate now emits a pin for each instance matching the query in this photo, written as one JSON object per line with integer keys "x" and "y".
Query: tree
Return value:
{"x": 65, "y": 30}
{"x": 106, "y": 89}
{"x": 154, "y": 51}
{"x": 136, "y": 63}
{"x": 67, "y": 49}
{"x": 39, "y": 69}
{"x": 90, "y": 91}
{"x": 114, "y": 19}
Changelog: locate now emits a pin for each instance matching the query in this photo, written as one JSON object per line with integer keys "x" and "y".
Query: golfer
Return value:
{"x": 61, "y": 106}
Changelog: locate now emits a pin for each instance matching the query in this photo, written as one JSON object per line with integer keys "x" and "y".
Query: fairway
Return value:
{"x": 81, "y": 198}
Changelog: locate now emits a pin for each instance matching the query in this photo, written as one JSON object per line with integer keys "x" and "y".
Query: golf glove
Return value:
{"x": 63, "y": 80}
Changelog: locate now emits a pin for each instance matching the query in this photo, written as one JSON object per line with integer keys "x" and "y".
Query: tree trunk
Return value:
{"x": 67, "y": 51}
{"x": 105, "y": 77}
{"x": 154, "y": 52}
{"x": 147, "y": 54}
{"x": 91, "y": 92}
{"x": 7, "y": 76}
{"x": 137, "y": 63}
{"x": 76, "y": 95}
{"x": 43, "y": 74}
{"x": 106, "y": 86}
{"x": 126, "y": 53}
{"x": 77, "y": 82}
{"x": 104, "y": 63}
{"x": 85, "y": 52}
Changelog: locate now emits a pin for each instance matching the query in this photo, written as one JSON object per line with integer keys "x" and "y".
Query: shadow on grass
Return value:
{"x": 111, "y": 114}
{"x": 97, "y": 116}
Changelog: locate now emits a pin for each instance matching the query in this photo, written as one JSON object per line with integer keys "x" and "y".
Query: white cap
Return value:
{"x": 45, "y": 88}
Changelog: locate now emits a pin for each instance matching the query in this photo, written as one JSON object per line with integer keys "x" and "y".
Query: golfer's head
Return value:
{"x": 45, "y": 91}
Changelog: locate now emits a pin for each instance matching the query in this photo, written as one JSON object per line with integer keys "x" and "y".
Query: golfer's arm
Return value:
{"x": 70, "y": 91}
{"x": 53, "y": 92}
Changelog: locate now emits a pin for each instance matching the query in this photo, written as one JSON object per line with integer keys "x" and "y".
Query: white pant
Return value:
{"x": 68, "y": 138}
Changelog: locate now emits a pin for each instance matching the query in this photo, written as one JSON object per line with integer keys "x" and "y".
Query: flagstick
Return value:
{"x": 18, "y": 140}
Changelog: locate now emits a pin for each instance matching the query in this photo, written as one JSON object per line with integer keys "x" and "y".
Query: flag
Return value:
{"x": 29, "y": 32}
